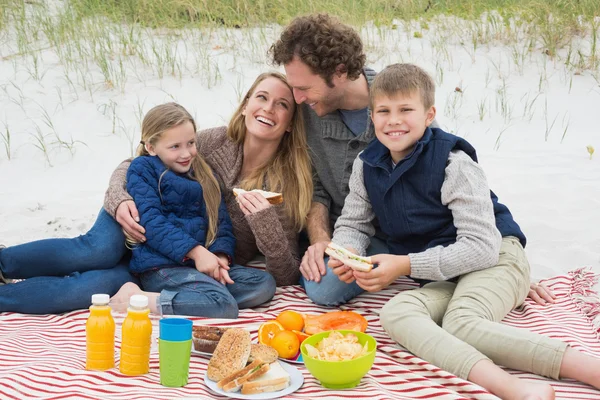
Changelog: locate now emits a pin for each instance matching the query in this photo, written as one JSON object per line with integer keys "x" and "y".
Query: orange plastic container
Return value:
{"x": 100, "y": 335}
{"x": 137, "y": 334}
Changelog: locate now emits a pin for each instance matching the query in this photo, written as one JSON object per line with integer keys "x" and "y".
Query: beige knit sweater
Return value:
{"x": 269, "y": 231}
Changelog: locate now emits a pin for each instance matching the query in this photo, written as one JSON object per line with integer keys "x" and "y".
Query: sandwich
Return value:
{"x": 272, "y": 197}
{"x": 350, "y": 259}
{"x": 252, "y": 371}
{"x": 275, "y": 379}
{"x": 230, "y": 355}
{"x": 263, "y": 352}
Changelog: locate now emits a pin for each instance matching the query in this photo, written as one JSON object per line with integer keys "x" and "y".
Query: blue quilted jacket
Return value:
{"x": 174, "y": 217}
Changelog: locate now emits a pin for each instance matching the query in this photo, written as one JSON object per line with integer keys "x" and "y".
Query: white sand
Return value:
{"x": 552, "y": 187}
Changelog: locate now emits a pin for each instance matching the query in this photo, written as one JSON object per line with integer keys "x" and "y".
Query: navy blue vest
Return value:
{"x": 407, "y": 199}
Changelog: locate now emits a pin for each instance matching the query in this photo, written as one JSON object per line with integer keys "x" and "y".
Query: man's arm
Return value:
{"x": 317, "y": 223}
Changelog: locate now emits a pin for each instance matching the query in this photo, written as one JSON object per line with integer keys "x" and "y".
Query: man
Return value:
{"x": 324, "y": 63}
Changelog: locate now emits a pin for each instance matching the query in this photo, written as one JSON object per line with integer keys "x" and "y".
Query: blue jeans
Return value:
{"x": 62, "y": 274}
{"x": 186, "y": 291}
{"x": 330, "y": 290}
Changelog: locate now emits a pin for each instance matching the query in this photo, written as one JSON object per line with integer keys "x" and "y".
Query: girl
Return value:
{"x": 184, "y": 263}
{"x": 263, "y": 147}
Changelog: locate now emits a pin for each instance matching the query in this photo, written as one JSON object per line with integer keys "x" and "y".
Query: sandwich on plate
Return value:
{"x": 230, "y": 355}
{"x": 263, "y": 352}
{"x": 350, "y": 259}
{"x": 272, "y": 197}
{"x": 273, "y": 380}
{"x": 234, "y": 382}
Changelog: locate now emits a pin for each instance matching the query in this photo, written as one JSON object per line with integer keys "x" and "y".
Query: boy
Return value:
{"x": 448, "y": 231}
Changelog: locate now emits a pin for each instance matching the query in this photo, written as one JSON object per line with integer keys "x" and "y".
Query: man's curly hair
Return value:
{"x": 323, "y": 43}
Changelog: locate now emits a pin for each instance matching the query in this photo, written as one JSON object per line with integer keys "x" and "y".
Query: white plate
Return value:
{"x": 296, "y": 380}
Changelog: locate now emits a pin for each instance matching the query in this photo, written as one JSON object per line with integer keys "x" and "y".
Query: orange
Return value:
{"x": 286, "y": 343}
{"x": 291, "y": 320}
{"x": 267, "y": 332}
{"x": 301, "y": 336}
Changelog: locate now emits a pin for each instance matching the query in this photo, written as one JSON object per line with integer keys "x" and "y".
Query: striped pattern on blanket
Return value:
{"x": 44, "y": 356}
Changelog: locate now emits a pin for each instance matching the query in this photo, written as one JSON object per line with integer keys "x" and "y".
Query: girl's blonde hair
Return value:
{"x": 159, "y": 120}
{"x": 289, "y": 171}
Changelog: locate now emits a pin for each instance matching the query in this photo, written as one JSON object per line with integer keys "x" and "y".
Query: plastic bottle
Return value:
{"x": 100, "y": 335}
{"x": 137, "y": 334}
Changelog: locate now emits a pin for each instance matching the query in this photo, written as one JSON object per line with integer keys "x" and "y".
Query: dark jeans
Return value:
{"x": 62, "y": 274}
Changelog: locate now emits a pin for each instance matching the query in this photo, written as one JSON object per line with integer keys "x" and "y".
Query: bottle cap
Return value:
{"x": 138, "y": 301}
{"x": 100, "y": 299}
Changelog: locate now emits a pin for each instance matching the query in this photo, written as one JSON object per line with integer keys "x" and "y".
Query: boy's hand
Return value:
{"x": 389, "y": 268}
{"x": 252, "y": 202}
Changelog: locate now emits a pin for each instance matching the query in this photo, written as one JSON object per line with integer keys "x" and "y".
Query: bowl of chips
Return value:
{"x": 339, "y": 359}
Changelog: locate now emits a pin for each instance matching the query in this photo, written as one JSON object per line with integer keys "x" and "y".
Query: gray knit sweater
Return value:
{"x": 333, "y": 150}
{"x": 465, "y": 192}
{"x": 269, "y": 231}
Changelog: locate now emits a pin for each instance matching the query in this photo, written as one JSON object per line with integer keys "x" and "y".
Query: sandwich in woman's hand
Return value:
{"x": 350, "y": 259}
{"x": 272, "y": 197}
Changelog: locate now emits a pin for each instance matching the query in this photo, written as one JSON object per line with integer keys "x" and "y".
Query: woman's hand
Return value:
{"x": 389, "y": 268}
{"x": 541, "y": 294}
{"x": 252, "y": 202}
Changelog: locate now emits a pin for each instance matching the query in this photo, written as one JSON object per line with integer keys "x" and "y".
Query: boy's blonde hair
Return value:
{"x": 289, "y": 171}
{"x": 403, "y": 79}
{"x": 159, "y": 120}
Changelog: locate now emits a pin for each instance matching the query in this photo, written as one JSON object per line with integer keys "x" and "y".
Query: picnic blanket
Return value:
{"x": 44, "y": 356}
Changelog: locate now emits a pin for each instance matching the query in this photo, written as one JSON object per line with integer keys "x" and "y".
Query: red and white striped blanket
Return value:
{"x": 44, "y": 356}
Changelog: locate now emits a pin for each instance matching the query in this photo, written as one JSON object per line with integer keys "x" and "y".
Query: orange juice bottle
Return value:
{"x": 100, "y": 335}
{"x": 137, "y": 333}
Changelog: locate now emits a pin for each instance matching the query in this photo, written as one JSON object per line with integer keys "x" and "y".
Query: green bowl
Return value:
{"x": 339, "y": 374}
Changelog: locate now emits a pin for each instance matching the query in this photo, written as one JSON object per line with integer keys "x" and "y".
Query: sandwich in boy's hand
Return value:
{"x": 350, "y": 259}
{"x": 272, "y": 197}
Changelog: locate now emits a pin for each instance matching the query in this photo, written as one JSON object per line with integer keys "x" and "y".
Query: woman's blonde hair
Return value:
{"x": 289, "y": 171}
{"x": 159, "y": 120}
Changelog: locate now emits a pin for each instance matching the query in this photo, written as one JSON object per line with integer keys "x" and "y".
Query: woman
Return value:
{"x": 263, "y": 147}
